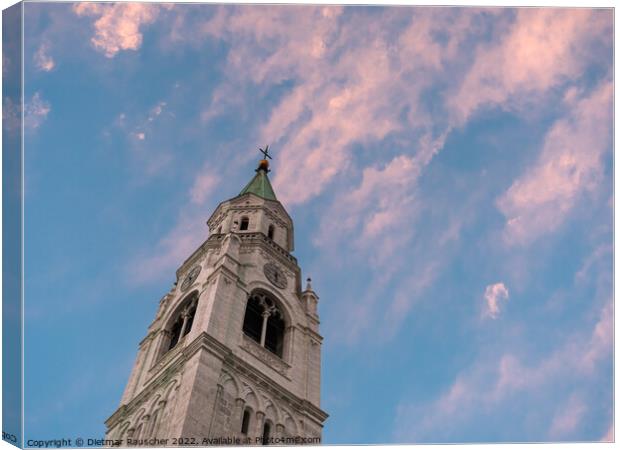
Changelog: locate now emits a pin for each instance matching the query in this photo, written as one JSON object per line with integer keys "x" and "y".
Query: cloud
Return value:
{"x": 376, "y": 79}
{"x": 385, "y": 87}
{"x": 188, "y": 232}
{"x": 509, "y": 387}
{"x": 570, "y": 164}
{"x": 36, "y": 111}
{"x": 203, "y": 187}
{"x": 170, "y": 251}
{"x": 118, "y": 26}
{"x": 43, "y": 61}
{"x": 493, "y": 295}
{"x": 544, "y": 48}
{"x": 609, "y": 435}
{"x": 143, "y": 127}
{"x": 11, "y": 115}
{"x": 156, "y": 111}
{"x": 378, "y": 204}
{"x": 567, "y": 417}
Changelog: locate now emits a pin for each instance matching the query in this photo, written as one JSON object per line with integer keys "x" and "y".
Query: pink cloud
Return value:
{"x": 494, "y": 294}
{"x": 372, "y": 79}
{"x": 36, "y": 111}
{"x": 382, "y": 202}
{"x": 490, "y": 383}
{"x": 570, "y": 164}
{"x": 609, "y": 435}
{"x": 43, "y": 61}
{"x": 184, "y": 237}
{"x": 169, "y": 252}
{"x": 203, "y": 187}
{"x": 567, "y": 417}
{"x": 544, "y": 48}
{"x": 118, "y": 25}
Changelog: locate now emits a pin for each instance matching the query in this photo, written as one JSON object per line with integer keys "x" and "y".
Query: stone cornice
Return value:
{"x": 313, "y": 334}
{"x": 221, "y": 205}
{"x": 158, "y": 380}
{"x": 208, "y": 343}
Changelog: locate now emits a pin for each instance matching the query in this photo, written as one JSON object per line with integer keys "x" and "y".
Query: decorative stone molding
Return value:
{"x": 166, "y": 358}
{"x": 264, "y": 355}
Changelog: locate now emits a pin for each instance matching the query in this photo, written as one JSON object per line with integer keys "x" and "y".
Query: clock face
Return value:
{"x": 191, "y": 277}
{"x": 275, "y": 275}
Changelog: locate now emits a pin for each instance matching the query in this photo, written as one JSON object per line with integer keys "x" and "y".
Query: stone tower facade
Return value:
{"x": 234, "y": 352}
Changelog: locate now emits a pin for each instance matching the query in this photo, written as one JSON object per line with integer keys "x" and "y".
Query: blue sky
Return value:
{"x": 448, "y": 171}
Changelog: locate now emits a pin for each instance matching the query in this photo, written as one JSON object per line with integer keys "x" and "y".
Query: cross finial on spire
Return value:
{"x": 265, "y": 152}
{"x": 264, "y": 163}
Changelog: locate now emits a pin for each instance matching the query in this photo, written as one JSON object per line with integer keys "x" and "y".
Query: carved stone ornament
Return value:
{"x": 264, "y": 355}
{"x": 275, "y": 275}
{"x": 191, "y": 277}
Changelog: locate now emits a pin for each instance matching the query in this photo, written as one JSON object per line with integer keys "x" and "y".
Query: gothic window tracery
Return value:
{"x": 264, "y": 323}
{"x": 183, "y": 321}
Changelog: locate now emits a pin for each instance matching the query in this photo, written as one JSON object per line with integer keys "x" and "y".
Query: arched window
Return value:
{"x": 245, "y": 223}
{"x": 253, "y": 322}
{"x": 264, "y": 323}
{"x": 175, "y": 332}
{"x": 183, "y": 321}
{"x": 266, "y": 432}
{"x": 274, "y": 336}
{"x": 271, "y": 231}
{"x": 245, "y": 423}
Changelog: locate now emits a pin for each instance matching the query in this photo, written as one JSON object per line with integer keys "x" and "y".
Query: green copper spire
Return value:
{"x": 260, "y": 184}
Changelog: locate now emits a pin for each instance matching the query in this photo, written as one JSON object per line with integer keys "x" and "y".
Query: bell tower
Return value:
{"x": 234, "y": 352}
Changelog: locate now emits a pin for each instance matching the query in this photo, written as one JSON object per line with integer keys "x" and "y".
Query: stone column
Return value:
{"x": 263, "y": 333}
{"x": 238, "y": 415}
{"x": 289, "y": 342}
{"x": 279, "y": 433}
{"x": 218, "y": 394}
{"x": 260, "y": 419}
{"x": 185, "y": 316}
{"x": 164, "y": 343}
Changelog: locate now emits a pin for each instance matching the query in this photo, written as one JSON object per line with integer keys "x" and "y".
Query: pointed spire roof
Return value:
{"x": 260, "y": 185}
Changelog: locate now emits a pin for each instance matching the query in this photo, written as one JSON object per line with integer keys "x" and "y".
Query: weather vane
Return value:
{"x": 265, "y": 152}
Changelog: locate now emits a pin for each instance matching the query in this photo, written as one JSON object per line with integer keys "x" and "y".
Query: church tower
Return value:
{"x": 234, "y": 351}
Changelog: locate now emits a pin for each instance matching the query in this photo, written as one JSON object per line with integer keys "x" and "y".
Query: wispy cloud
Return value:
{"x": 203, "y": 187}
{"x": 36, "y": 111}
{"x": 494, "y": 294}
{"x": 609, "y": 435}
{"x": 169, "y": 251}
{"x": 570, "y": 164}
{"x": 187, "y": 233}
{"x": 489, "y": 387}
{"x": 375, "y": 82}
{"x": 118, "y": 25}
{"x": 567, "y": 417}
{"x": 544, "y": 48}
{"x": 42, "y": 59}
